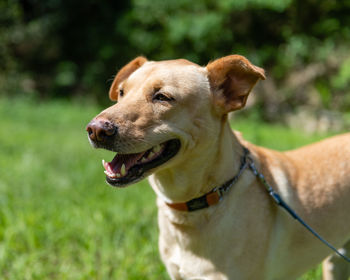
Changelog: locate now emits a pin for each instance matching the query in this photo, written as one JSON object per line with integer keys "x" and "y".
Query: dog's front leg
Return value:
{"x": 335, "y": 268}
{"x": 168, "y": 248}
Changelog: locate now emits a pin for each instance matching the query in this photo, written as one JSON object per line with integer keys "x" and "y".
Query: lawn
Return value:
{"x": 59, "y": 219}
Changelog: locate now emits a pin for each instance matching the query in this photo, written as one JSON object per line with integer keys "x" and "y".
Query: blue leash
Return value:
{"x": 280, "y": 202}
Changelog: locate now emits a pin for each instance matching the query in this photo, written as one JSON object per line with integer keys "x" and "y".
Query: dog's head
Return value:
{"x": 166, "y": 109}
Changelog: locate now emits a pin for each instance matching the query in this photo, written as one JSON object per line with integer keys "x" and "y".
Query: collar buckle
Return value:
{"x": 219, "y": 192}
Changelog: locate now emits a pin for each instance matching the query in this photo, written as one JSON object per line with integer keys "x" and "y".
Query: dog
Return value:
{"x": 170, "y": 123}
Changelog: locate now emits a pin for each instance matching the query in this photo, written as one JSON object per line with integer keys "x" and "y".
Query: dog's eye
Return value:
{"x": 121, "y": 93}
{"x": 161, "y": 97}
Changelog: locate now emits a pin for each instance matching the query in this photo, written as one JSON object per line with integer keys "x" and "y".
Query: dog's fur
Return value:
{"x": 245, "y": 236}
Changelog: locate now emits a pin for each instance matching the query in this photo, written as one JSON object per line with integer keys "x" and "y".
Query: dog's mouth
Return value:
{"x": 126, "y": 169}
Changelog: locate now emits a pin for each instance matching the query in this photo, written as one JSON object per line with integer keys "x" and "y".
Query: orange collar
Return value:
{"x": 204, "y": 201}
{"x": 215, "y": 195}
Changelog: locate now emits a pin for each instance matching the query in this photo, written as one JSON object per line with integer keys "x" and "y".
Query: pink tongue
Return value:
{"x": 129, "y": 160}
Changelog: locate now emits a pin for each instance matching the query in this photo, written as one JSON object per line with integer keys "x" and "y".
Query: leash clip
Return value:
{"x": 219, "y": 192}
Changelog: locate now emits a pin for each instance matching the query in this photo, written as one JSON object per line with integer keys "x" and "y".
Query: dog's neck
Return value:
{"x": 197, "y": 175}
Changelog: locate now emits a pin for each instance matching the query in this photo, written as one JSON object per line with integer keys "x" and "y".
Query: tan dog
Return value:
{"x": 170, "y": 122}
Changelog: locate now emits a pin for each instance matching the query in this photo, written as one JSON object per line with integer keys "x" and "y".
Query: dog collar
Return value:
{"x": 215, "y": 195}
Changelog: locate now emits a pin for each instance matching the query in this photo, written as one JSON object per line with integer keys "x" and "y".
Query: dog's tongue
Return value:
{"x": 128, "y": 160}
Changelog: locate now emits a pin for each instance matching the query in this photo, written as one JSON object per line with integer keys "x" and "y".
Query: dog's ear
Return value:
{"x": 123, "y": 74}
{"x": 231, "y": 79}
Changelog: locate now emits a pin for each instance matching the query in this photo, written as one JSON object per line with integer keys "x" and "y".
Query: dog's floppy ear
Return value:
{"x": 231, "y": 79}
{"x": 123, "y": 74}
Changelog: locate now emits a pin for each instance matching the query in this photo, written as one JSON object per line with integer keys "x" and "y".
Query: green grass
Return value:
{"x": 58, "y": 219}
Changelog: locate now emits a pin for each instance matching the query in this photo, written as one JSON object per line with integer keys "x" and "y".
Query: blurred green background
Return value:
{"x": 58, "y": 219}
{"x": 58, "y": 48}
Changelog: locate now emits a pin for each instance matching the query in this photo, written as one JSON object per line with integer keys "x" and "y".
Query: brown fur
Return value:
{"x": 123, "y": 74}
{"x": 235, "y": 76}
{"x": 245, "y": 236}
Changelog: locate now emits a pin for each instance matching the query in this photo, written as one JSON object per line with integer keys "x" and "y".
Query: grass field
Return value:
{"x": 59, "y": 220}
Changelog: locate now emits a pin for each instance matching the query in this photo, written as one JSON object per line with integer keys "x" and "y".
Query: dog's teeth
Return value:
{"x": 109, "y": 174}
{"x": 103, "y": 163}
{"x": 123, "y": 170}
{"x": 157, "y": 148}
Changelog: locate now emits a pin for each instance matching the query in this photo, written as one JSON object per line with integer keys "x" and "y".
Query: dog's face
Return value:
{"x": 167, "y": 109}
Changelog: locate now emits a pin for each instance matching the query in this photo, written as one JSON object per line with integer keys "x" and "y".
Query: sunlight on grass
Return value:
{"x": 59, "y": 219}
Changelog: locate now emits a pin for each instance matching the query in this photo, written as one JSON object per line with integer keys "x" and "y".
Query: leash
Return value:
{"x": 280, "y": 202}
{"x": 216, "y": 195}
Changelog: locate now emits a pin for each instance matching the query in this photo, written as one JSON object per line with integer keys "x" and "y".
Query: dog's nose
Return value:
{"x": 101, "y": 130}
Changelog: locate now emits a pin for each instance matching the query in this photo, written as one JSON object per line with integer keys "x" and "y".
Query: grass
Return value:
{"x": 59, "y": 220}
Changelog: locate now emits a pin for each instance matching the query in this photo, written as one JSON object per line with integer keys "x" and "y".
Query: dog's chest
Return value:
{"x": 189, "y": 254}
{"x": 191, "y": 266}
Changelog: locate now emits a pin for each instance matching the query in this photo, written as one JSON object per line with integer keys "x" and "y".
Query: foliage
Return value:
{"x": 64, "y": 48}
{"x": 59, "y": 220}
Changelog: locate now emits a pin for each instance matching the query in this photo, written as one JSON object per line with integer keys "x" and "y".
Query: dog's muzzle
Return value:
{"x": 102, "y": 133}
{"x": 128, "y": 168}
